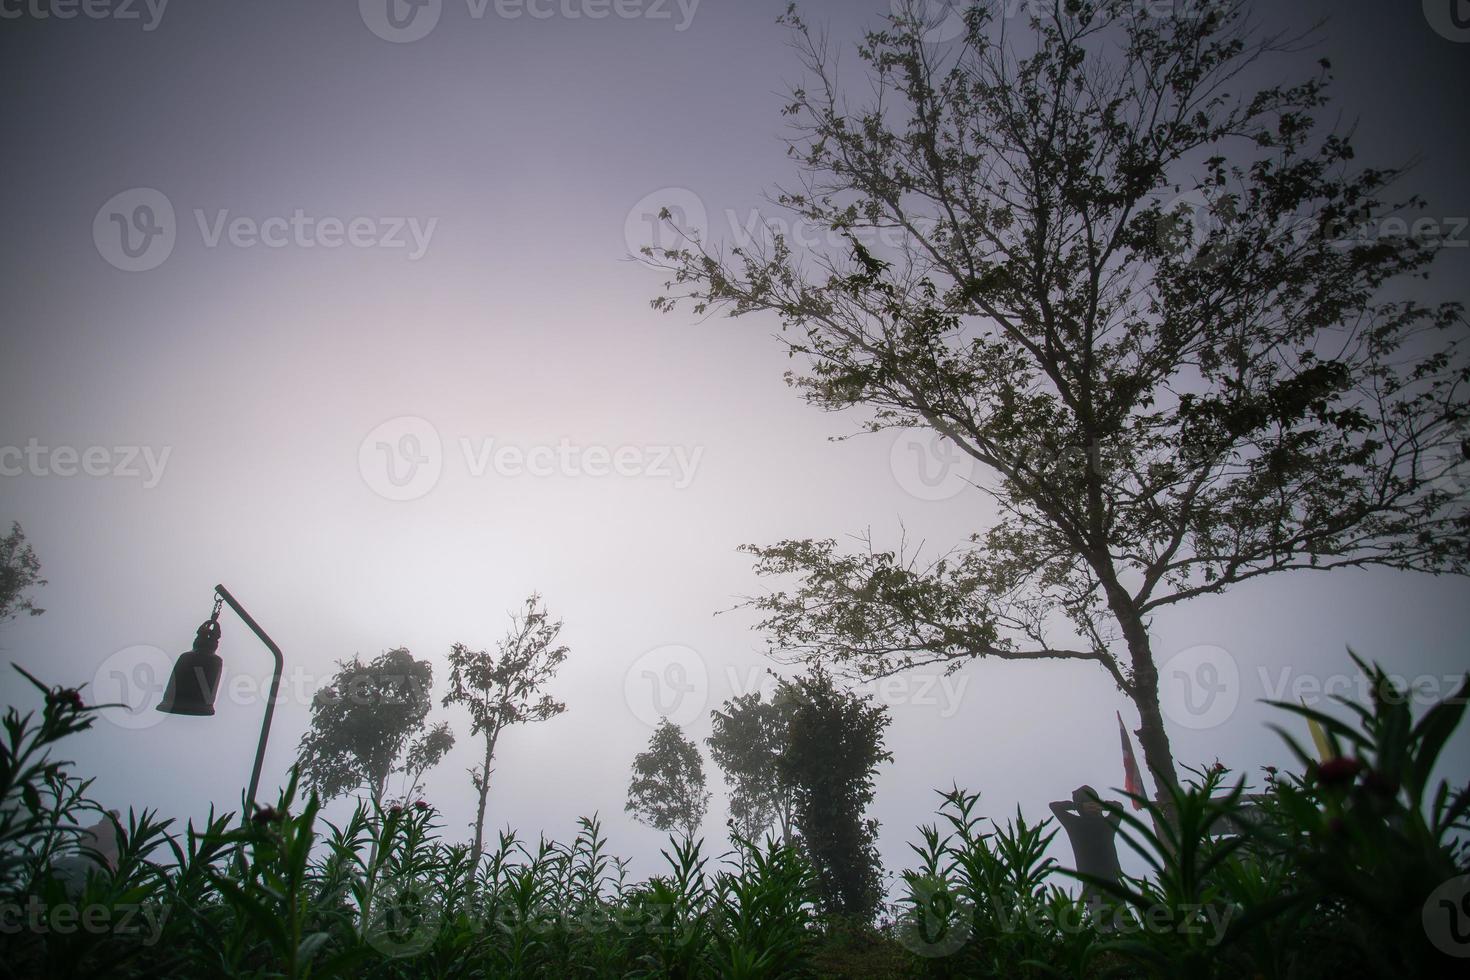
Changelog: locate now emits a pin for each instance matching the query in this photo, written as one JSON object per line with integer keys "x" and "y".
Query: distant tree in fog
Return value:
{"x": 750, "y": 734}
{"x": 834, "y": 744}
{"x": 806, "y": 758}
{"x": 20, "y": 572}
{"x": 505, "y": 689}
{"x": 667, "y": 791}
{"x": 369, "y": 723}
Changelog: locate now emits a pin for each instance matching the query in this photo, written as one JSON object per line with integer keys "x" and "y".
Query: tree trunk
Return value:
{"x": 1143, "y": 689}
{"x": 1152, "y": 736}
{"x": 484, "y": 792}
{"x": 375, "y": 792}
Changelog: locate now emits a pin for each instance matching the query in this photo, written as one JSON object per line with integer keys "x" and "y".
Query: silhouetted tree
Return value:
{"x": 370, "y": 723}
{"x": 505, "y": 690}
{"x": 667, "y": 791}
{"x": 1133, "y": 290}
{"x": 749, "y": 737}
{"x": 834, "y": 743}
{"x": 20, "y": 572}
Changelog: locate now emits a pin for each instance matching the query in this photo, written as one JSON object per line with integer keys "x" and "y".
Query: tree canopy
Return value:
{"x": 369, "y": 723}
{"x": 667, "y": 791}
{"x": 505, "y": 689}
{"x": 749, "y": 736}
{"x": 20, "y": 572}
{"x": 1156, "y": 302}
{"x": 834, "y": 745}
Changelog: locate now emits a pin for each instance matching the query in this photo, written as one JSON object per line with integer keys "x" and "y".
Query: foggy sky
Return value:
{"x": 269, "y": 364}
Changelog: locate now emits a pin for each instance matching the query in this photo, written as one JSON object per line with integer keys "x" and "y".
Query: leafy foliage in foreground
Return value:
{"x": 289, "y": 894}
{"x": 1325, "y": 874}
{"x": 1328, "y": 873}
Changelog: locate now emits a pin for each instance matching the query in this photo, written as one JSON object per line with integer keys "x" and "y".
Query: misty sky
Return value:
{"x": 387, "y": 368}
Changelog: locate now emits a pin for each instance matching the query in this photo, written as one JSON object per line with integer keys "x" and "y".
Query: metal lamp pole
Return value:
{"x": 195, "y": 679}
{"x": 270, "y": 704}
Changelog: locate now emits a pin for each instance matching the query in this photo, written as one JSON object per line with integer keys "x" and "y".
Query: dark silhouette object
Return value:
{"x": 195, "y": 680}
{"x": 1092, "y": 831}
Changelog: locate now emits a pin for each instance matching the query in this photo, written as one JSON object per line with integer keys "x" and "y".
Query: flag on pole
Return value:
{"x": 1319, "y": 737}
{"x": 1132, "y": 781}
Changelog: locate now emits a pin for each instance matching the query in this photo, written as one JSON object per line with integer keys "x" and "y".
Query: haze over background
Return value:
{"x": 517, "y": 160}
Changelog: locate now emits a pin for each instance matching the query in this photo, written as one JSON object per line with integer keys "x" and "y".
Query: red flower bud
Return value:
{"x": 267, "y": 814}
{"x": 421, "y": 806}
{"x": 68, "y": 696}
{"x": 1338, "y": 772}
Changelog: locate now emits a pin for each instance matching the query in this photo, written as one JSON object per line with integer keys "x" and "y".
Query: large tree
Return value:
{"x": 505, "y": 689}
{"x": 20, "y": 572}
{"x": 834, "y": 744}
{"x": 1136, "y": 290}
{"x": 369, "y": 723}
{"x": 667, "y": 790}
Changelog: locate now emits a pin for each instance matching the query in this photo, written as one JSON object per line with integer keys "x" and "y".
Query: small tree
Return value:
{"x": 667, "y": 791}
{"x": 370, "y": 723}
{"x": 834, "y": 743}
{"x": 505, "y": 690}
{"x": 748, "y": 740}
{"x": 20, "y": 571}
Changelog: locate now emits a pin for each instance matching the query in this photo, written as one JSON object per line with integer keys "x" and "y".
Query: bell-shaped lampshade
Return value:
{"x": 195, "y": 680}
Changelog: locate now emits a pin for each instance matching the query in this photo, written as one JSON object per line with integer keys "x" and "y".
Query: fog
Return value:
{"x": 395, "y": 370}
